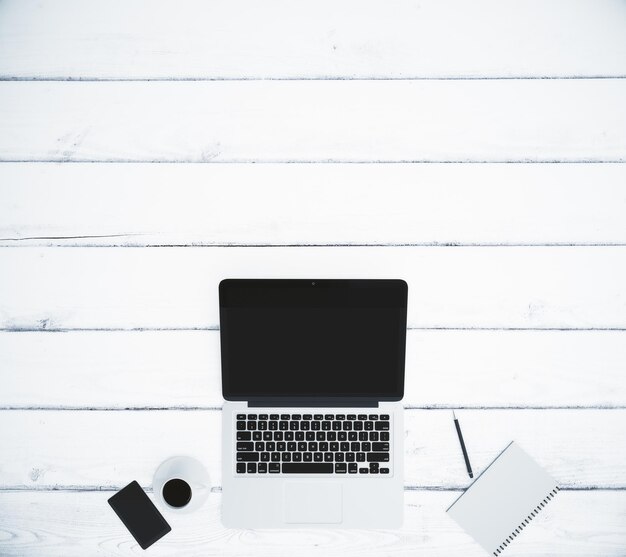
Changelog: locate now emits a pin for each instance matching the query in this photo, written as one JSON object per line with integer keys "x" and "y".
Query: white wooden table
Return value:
{"x": 149, "y": 149}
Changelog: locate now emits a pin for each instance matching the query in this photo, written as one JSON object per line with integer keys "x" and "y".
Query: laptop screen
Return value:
{"x": 313, "y": 338}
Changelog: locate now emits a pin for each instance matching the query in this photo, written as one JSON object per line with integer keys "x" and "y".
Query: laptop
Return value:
{"x": 312, "y": 427}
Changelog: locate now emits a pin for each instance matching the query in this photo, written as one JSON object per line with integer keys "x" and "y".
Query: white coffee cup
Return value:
{"x": 181, "y": 484}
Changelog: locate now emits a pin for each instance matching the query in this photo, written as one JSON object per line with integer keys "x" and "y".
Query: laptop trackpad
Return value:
{"x": 316, "y": 502}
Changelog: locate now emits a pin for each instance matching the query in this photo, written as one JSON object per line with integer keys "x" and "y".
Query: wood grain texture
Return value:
{"x": 95, "y": 449}
{"x": 174, "y": 369}
{"x": 585, "y": 524}
{"x": 372, "y": 38}
{"x": 273, "y": 204}
{"x": 67, "y": 288}
{"x": 265, "y": 121}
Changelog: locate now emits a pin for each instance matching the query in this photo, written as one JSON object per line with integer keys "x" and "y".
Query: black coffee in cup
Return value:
{"x": 177, "y": 493}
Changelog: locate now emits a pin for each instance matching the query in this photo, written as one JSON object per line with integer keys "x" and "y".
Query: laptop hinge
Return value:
{"x": 312, "y": 403}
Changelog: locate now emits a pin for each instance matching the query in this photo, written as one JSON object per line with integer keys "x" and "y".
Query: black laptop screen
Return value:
{"x": 313, "y": 338}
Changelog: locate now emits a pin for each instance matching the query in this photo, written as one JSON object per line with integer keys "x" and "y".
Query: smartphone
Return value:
{"x": 139, "y": 515}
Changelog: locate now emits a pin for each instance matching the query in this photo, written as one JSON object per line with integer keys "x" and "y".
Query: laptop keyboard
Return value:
{"x": 313, "y": 444}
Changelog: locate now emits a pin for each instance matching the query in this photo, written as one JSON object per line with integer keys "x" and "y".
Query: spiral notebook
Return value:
{"x": 504, "y": 499}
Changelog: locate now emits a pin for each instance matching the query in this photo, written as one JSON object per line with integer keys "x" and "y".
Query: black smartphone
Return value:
{"x": 139, "y": 515}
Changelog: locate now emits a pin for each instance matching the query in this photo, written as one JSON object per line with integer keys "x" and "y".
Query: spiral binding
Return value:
{"x": 526, "y": 522}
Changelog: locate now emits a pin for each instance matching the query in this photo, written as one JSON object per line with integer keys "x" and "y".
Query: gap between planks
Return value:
{"x": 61, "y": 78}
{"x": 49, "y": 239}
{"x": 218, "y": 489}
{"x": 62, "y": 408}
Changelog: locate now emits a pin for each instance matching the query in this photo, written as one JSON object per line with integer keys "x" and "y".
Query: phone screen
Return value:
{"x": 139, "y": 515}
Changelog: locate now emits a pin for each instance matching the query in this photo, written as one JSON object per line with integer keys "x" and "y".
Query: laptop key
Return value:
{"x": 286, "y": 457}
{"x": 307, "y": 457}
{"x": 262, "y": 468}
{"x": 251, "y": 425}
{"x": 380, "y": 447}
{"x": 352, "y": 416}
{"x": 259, "y": 446}
{"x": 384, "y": 416}
{"x": 382, "y": 426}
{"x": 349, "y": 457}
{"x": 244, "y": 436}
{"x": 257, "y": 436}
{"x": 384, "y": 436}
{"x": 318, "y": 457}
{"x": 245, "y": 446}
{"x": 274, "y": 416}
{"x": 352, "y": 467}
{"x": 307, "y": 468}
{"x": 328, "y": 457}
{"x": 252, "y": 416}
{"x": 377, "y": 457}
{"x": 241, "y": 416}
{"x": 340, "y": 468}
{"x": 369, "y": 426}
{"x": 363, "y": 471}
{"x": 251, "y": 467}
{"x": 275, "y": 457}
{"x": 265, "y": 457}
{"x": 241, "y": 425}
{"x": 247, "y": 457}
{"x": 297, "y": 457}
{"x": 274, "y": 468}
{"x": 384, "y": 470}
{"x": 373, "y": 417}
{"x": 362, "y": 416}
{"x": 307, "y": 417}
{"x": 241, "y": 468}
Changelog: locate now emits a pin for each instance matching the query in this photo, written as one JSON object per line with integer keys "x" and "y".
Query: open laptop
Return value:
{"x": 312, "y": 430}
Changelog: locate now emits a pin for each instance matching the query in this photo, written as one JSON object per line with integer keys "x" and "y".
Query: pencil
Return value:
{"x": 458, "y": 431}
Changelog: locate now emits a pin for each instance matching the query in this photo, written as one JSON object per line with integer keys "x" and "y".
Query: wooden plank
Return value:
{"x": 264, "y": 121}
{"x": 63, "y": 524}
{"x": 181, "y": 369}
{"x": 113, "y": 40}
{"x": 145, "y": 204}
{"x": 495, "y": 287}
{"x": 106, "y": 449}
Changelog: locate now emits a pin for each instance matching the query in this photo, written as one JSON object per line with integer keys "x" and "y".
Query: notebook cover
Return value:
{"x": 503, "y": 499}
